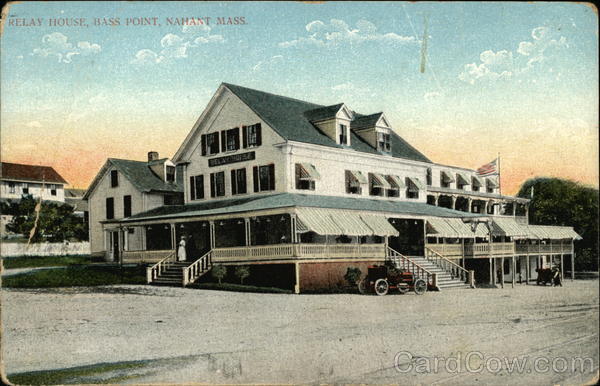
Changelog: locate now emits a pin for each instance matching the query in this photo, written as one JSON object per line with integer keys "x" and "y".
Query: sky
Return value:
{"x": 82, "y": 82}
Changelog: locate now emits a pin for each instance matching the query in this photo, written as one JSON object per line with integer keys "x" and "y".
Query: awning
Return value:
{"x": 438, "y": 227}
{"x": 464, "y": 229}
{"x": 359, "y": 177}
{"x": 506, "y": 226}
{"x": 447, "y": 176}
{"x": 398, "y": 181}
{"x": 553, "y": 232}
{"x": 477, "y": 181}
{"x": 379, "y": 224}
{"x": 379, "y": 181}
{"x": 416, "y": 183}
{"x": 318, "y": 221}
{"x": 350, "y": 223}
{"x": 465, "y": 178}
{"x": 491, "y": 182}
{"x": 309, "y": 172}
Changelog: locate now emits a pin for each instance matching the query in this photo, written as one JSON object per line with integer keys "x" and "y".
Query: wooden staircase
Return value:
{"x": 444, "y": 280}
{"x": 170, "y": 272}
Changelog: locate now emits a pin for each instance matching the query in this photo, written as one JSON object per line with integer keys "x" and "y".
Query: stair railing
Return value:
{"x": 192, "y": 272}
{"x": 455, "y": 270}
{"x": 406, "y": 264}
{"x": 153, "y": 272}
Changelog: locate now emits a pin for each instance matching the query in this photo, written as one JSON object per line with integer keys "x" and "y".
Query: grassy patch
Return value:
{"x": 80, "y": 374}
{"x": 239, "y": 288}
{"x": 115, "y": 372}
{"x": 77, "y": 276}
{"x": 44, "y": 261}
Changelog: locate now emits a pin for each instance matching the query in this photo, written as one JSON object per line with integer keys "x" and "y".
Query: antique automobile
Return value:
{"x": 383, "y": 278}
{"x": 547, "y": 275}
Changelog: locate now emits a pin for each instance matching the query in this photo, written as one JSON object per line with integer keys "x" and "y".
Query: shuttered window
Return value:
{"x": 209, "y": 143}
{"x": 264, "y": 178}
{"x": 126, "y": 206}
{"x": 251, "y": 135}
{"x": 110, "y": 208}
{"x": 232, "y": 139}
{"x": 217, "y": 184}
{"x": 238, "y": 181}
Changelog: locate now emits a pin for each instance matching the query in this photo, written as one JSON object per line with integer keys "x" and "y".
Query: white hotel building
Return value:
{"x": 300, "y": 192}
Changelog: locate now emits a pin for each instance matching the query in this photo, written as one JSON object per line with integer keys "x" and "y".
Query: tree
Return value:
{"x": 242, "y": 272}
{"x": 352, "y": 275}
{"x": 557, "y": 201}
{"x": 218, "y": 272}
{"x": 56, "y": 222}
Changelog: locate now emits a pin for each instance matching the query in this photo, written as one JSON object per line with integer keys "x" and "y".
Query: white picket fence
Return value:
{"x": 8, "y": 249}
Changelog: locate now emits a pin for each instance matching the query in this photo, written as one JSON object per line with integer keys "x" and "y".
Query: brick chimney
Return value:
{"x": 152, "y": 156}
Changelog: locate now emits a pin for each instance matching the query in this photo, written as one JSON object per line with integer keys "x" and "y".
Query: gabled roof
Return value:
{"x": 21, "y": 172}
{"x": 285, "y": 200}
{"x": 139, "y": 174}
{"x": 288, "y": 117}
{"x": 74, "y": 193}
{"x": 323, "y": 113}
{"x": 363, "y": 121}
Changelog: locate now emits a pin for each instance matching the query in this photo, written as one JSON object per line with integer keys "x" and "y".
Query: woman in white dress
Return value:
{"x": 181, "y": 250}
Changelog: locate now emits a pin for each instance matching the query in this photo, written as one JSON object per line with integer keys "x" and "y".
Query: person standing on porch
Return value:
{"x": 181, "y": 255}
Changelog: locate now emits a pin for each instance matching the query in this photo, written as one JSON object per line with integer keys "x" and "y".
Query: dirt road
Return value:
{"x": 190, "y": 335}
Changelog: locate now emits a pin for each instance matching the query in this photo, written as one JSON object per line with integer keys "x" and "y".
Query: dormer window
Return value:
{"x": 170, "y": 173}
{"x": 384, "y": 142}
{"x": 343, "y": 134}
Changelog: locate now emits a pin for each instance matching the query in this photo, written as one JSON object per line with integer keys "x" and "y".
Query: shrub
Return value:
{"x": 352, "y": 275}
{"x": 242, "y": 272}
{"x": 219, "y": 272}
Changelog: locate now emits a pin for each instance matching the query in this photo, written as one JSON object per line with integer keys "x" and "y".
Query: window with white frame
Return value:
{"x": 238, "y": 181}
{"x": 196, "y": 187}
{"x": 217, "y": 184}
{"x": 232, "y": 139}
{"x": 25, "y": 189}
{"x": 251, "y": 135}
{"x": 264, "y": 178}
{"x": 11, "y": 187}
{"x": 343, "y": 134}
{"x": 306, "y": 175}
{"x": 53, "y": 190}
{"x": 354, "y": 181}
{"x": 384, "y": 142}
{"x": 170, "y": 173}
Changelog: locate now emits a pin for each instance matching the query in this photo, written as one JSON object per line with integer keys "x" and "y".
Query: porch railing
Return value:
{"x": 276, "y": 251}
{"x": 455, "y": 270}
{"x": 483, "y": 249}
{"x": 446, "y": 249}
{"x": 145, "y": 256}
{"x": 153, "y": 272}
{"x": 406, "y": 264}
{"x": 543, "y": 248}
{"x": 192, "y": 272}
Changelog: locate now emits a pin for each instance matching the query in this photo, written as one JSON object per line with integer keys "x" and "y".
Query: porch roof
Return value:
{"x": 505, "y": 226}
{"x": 553, "y": 232}
{"x": 286, "y": 200}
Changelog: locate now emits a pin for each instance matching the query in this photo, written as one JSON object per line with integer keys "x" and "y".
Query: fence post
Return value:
{"x": 184, "y": 277}
{"x": 434, "y": 280}
{"x": 148, "y": 275}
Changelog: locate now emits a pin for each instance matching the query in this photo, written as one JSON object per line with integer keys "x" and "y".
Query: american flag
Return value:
{"x": 488, "y": 169}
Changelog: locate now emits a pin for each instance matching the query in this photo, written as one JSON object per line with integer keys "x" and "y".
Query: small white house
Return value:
{"x": 123, "y": 188}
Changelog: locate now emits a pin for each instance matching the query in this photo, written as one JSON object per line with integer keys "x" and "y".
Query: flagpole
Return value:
{"x": 499, "y": 181}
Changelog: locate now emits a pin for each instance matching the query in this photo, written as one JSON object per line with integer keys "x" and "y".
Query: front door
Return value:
{"x": 114, "y": 245}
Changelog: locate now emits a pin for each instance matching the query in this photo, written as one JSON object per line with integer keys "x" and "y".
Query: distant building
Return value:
{"x": 123, "y": 188}
{"x": 74, "y": 197}
{"x": 20, "y": 180}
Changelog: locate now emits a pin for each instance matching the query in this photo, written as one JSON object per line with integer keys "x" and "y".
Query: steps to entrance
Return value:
{"x": 172, "y": 275}
{"x": 444, "y": 279}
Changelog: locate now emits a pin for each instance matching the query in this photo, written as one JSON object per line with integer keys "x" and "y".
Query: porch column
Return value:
{"x": 297, "y": 284}
{"x": 173, "y": 237}
{"x": 211, "y": 225}
{"x": 527, "y": 211}
{"x": 502, "y": 272}
{"x": 572, "y": 261}
{"x": 469, "y": 202}
{"x": 485, "y": 206}
{"x": 514, "y": 208}
{"x": 527, "y": 269}
{"x": 293, "y": 231}
{"x": 436, "y": 198}
{"x": 453, "y": 201}
{"x": 492, "y": 272}
{"x": 514, "y": 271}
{"x": 247, "y": 228}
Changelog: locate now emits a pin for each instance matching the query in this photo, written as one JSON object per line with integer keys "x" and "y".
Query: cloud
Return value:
{"x": 503, "y": 64}
{"x": 266, "y": 63}
{"x": 34, "y": 125}
{"x": 173, "y": 46}
{"x": 343, "y": 87}
{"x": 431, "y": 95}
{"x": 338, "y": 32}
{"x": 56, "y": 45}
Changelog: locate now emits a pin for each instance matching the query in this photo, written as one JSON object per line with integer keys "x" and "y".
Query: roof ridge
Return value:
{"x": 276, "y": 95}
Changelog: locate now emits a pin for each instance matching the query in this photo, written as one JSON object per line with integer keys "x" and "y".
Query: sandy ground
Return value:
{"x": 227, "y": 337}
